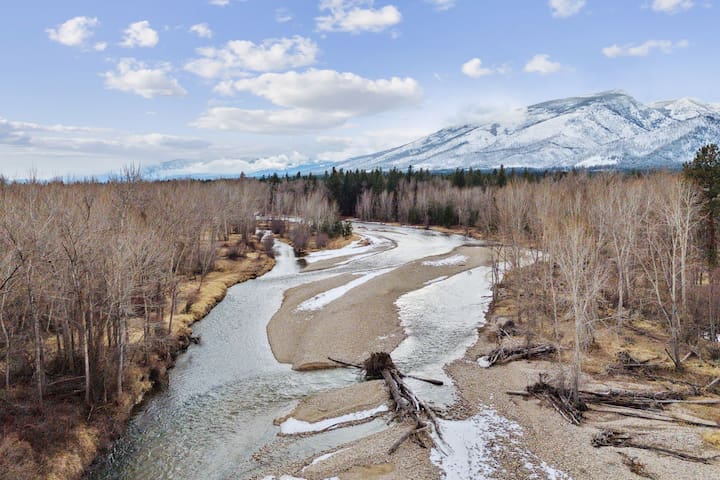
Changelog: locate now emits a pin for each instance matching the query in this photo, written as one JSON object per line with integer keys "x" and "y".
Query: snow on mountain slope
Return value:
{"x": 609, "y": 128}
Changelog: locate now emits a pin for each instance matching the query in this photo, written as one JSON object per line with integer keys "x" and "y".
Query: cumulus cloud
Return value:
{"x": 356, "y": 16}
{"x": 140, "y": 34}
{"x": 202, "y": 30}
{"x": 329, "y": 90}
{"x": 133, "y": 76}
{"x": 220, "y": 3}
{"x": 473, "y": 68}
{"x": 312, "y": 100}
{"x": 74, "y": 32}
{"x": 644, "y": 49}
{"x": 240, "y": 56}
{"x": 542, "y": 64}
{"x": 566, "y": 8}
{"x": 442, "y": 4}
{"x": 671, "y": 6}
{"x": 295, "y": 120}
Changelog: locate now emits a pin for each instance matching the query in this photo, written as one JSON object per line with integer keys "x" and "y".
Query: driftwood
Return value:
{"x": 638, "y": 404}
{"x": 657, "y": 416}
{"x": 407, "y": 405}
{"x": 627, "y": 364}
{"x": 402, "y": 375}
{"x": 614, "y": 438}
{"x": 510, "y": 354}
{"x": 560, "y": 399}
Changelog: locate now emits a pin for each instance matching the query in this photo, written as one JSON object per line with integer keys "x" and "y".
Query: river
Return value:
{"x": 224, "y": 393}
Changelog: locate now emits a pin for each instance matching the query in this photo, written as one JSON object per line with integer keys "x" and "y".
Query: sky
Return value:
{"x": 90, "y": 87}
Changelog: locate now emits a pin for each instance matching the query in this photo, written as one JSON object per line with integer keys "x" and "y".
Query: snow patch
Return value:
{"x": 596, "y": 161}
{"x": 446, "y": 262}
{"x": 484, "y": 362}
{"x": 436, "y": 280}
{"x": 292, "y": 426}
{"x": 366, "y": 244}
{"x": 321, "y": 300}
{"x": 474, "y": 444}
{"x": 290, "y": 477}
{"x": 322, "y": 458}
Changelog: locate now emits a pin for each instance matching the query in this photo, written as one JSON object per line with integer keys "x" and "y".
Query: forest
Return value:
{"x": 90, "y": 273}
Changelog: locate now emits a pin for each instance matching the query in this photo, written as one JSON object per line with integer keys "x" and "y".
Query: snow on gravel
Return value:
{"x": 290, "y": 477}
{"x": 324, "y": 457}
{"x": 319, "y": 301}
{"x": 436, "y": 280}
{"x": 366, "y": 244}
{"x": 446, "y": 262}
{"x": 292, "y": 426}
{"x": 484, "y": 362}
{"x": 472, "y": 447}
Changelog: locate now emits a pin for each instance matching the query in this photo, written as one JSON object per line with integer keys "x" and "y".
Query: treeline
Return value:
{"x": 82, "y": 263}
{"x": 606, "y": 247}
{"x": 345, "y": 187}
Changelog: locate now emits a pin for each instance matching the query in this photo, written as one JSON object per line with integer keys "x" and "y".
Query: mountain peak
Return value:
{"x": 600, "y": 129}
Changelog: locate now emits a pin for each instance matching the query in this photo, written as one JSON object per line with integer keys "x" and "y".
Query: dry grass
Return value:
{"x": 333, "y": 243}
{"x": 712, "y": 438}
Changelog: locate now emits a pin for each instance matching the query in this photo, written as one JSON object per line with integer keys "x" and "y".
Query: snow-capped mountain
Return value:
{"x": 605, "y": 129}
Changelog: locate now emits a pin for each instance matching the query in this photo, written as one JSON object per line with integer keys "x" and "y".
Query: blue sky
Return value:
{"x": 88, "y": 87}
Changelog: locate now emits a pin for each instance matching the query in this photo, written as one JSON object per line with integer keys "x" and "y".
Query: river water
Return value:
{"x": 224, "y": 393}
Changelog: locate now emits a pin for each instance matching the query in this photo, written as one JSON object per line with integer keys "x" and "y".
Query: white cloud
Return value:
{"x": 234, "y": 166}
{"x": 442, "y": 4}
{"x": 135, "y": 77}
{"x": 56, "y": 149}
{"x": 140, "y": 34}
{"x": 283, "y": 15}
{"x": 220, "y": 3}
{"x": 473, "y": 68}
{"x": 328, "y": 90}
{"x": 294, "y": 120}
{"x": 100, "y": 46}
{"x": 671, "y": 6}
{"x": 371, "y": 141}
{"x": 643, "y": 50}
{"x": 356, "y": 16}
{"x": 202, "y": 30}
{"x": 240, "y": 56}
{"x": 312, "y": 100}
{"x": 74, "y": 32}
{"x": 566, "y": 8}
{"x": 542, "y": 64}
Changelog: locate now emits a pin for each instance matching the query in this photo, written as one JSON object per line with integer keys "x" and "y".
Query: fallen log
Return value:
{"x": 627, "y": 364}
{"x": 617, "y": 439}
{"x": 407, "y": 405}
{"x": 510, "y": 354}
{"x": 403, "y": 375}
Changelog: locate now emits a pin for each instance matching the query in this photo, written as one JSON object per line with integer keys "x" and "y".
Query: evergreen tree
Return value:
{"x": 704, "y": 170}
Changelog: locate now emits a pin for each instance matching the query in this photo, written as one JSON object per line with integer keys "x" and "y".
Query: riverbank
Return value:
{"x": 61, "y": 441}
{"x": 568, "y": 447}
{"x": 508, "y": 437}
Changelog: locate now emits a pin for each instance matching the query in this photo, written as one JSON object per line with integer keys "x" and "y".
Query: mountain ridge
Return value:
{"x": 600, "y": 130}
